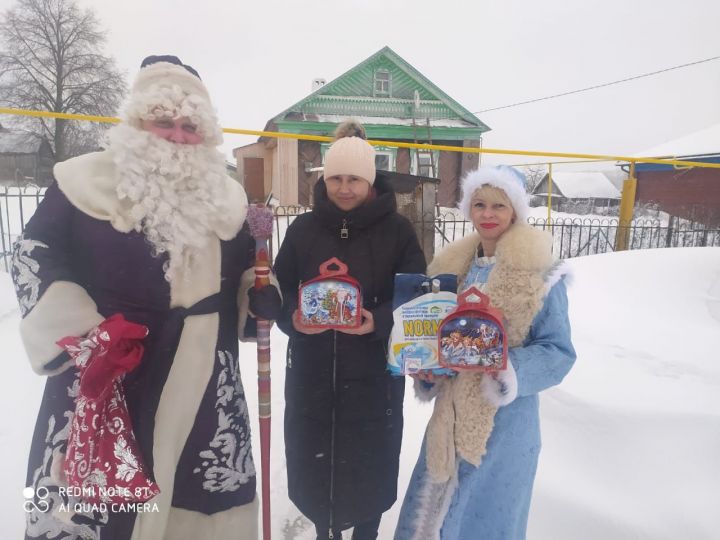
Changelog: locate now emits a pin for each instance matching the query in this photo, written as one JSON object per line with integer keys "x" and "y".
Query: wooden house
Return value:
{"x": 394, "y": 102}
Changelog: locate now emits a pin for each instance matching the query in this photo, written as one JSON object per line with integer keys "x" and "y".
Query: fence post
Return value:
{"x": 627, "y": 203}
{"x": 549, "y": 218}
{"x": 2, "y": 234}
{"x": 670, "y": 232}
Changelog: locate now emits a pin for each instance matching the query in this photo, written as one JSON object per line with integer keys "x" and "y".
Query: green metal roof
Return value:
{"x": 352, "y": 95}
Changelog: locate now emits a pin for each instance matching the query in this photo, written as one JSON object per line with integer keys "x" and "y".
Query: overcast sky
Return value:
{"x": 258, "y": 58}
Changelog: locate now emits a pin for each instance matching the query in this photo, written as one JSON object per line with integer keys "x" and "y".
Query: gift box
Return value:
{"x": 420, "y": 303}
{"x": 472, "y": 336}
{"x": 331, "y": 300}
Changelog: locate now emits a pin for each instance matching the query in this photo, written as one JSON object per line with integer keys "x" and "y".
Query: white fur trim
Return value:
{"x": 523, "y": 247}
{"x": 433, "y": 504}
{"x": 89, "y": 183}
{"x": 562, "y": 270}
{"x": 500, "y": 388}
{"x": 200, "y": 276}
{"x": 186, "y": 383}
{"x": 238, "y": 201}
{"x": 499, "y": 177}
{"x": 179, "y": 402}
{"x": 65, "y": 309}
{"x": 455, "y": 258}
{"x": 165, "y": 73}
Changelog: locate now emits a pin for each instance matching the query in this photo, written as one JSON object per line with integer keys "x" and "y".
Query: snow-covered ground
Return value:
{"x": 631, "y": 439}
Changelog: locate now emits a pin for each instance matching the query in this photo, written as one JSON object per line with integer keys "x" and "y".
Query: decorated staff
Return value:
{"x": 260, "y": 221}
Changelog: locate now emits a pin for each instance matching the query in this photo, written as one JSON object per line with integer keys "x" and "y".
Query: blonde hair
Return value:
{"x": 509, "y": 179}
{"x": 492, "y": 195}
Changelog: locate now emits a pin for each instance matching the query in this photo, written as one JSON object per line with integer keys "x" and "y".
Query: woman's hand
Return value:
{"x": 302, "y": 329}
{"x": 367, "y": 326}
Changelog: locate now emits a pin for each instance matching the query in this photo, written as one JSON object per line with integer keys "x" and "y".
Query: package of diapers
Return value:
{"x": 420, "y": 304}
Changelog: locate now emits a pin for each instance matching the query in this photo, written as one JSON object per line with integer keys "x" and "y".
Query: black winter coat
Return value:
{"x": 343, "y": 410}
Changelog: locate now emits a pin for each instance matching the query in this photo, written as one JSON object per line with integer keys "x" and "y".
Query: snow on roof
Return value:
{"x": 18, "y": 142}
{"x": 702, "y": 142}
{"x": 583, "y": 185}
{"x": 389, "y": 120}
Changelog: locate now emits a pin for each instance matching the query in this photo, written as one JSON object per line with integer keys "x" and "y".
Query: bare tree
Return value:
{"x": 534, "y": 175}
{"x": 51, "y": 60}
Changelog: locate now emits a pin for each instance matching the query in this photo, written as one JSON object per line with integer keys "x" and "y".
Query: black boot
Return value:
{"x": 367, "y": 530}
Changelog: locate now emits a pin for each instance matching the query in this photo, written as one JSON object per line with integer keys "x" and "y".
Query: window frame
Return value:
{"x": 388, "y": 82}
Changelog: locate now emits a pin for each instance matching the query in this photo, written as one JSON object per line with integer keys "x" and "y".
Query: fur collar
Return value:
{"x": 89, "y": 183}
{"x": 522, "y": 247}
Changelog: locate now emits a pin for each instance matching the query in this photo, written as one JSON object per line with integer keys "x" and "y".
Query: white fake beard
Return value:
{"x": 177, "y": 192}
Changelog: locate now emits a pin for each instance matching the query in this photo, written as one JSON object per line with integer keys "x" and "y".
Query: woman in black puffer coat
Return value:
{"x": 343, "y": 410}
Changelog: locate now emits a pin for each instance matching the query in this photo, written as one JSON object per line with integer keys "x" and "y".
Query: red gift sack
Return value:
{"x": 102, "y": 461}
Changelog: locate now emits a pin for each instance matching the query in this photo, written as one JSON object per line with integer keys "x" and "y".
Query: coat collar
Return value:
{"x": 522, "y": 247}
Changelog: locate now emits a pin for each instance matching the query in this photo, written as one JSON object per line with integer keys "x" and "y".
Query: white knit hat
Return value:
{"x": 174, "y": 90}
{"x": 504, "y": 177}
{"x": 352, "y": 156}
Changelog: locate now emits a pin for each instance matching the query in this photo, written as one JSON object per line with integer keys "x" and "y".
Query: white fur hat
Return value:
{"x": 165, "y": 86}
{"x": 168, "y": 70}
{"x": 504, "y": 177}
{"x": 353, "y": 156}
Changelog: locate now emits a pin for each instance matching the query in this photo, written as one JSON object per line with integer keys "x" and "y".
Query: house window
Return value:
{"x": 421, "y": 164}
{"x": 425, "y": 165}
{"x": 383, "y": 161}
{"x": 385, "y": 158}
{"x": 382, "y": 82}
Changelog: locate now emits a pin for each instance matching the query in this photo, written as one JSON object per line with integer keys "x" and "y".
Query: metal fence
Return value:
{"x": 17, "y": 205}
{"x": 588, "y": 236}
{"x": 571, "y": 237}
{"x": 577, "y": 237}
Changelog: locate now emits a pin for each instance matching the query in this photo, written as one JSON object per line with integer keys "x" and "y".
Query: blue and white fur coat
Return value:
{"x": 475, "y": 472}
